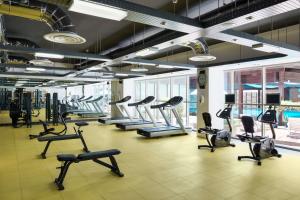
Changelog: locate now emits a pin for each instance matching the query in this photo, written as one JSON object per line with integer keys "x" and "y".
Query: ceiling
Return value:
{"x": 121, "y": 39}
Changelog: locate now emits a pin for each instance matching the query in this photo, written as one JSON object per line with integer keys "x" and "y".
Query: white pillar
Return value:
{"x": 212, "y": 98}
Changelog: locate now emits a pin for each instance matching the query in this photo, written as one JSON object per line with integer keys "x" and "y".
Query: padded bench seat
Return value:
{"x": 88, "y": 156}
{"x": 68, "y": 159}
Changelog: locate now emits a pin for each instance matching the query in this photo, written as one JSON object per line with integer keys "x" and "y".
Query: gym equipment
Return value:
{"x": 51, "y": 131}
{"x": 55, "y": 111}
{"x": 216, "y": 137}
{"x": 167, "y": 130}
{"x": 37, "y": 99}
{"x": 68, "y": 159}
{"x": 48, "y": 107}
{"x": 27, "y": 109}
{"x": 264, "y": 147}
{"x": 15, "y": 113}
{"x": 96, "y": 111}
{"x": 82, "y": 106}
{"x": 122, "y": 106}
{"x": 76, "y": 135}
{"x": 143, "y": 123}
{"x": 21, "y": 109}
{"x": 5, "y": 98}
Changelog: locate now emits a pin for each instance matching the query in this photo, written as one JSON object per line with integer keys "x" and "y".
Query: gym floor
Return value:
{"x": 5, "y": 119}
{"x": 170, "y": 168}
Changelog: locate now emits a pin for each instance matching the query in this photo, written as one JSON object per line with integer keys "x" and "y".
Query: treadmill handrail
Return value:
{"x": 145, "y": 101}
{"x": 86, "y": 99}
{"x": 94, "y": 100}
{"x": 80, "y": 98}
{"x": 124, "y": 100}
{"x": 174, "y": 101}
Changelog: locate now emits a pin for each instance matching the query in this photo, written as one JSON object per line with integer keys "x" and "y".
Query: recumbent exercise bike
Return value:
{"x": 264, "y": 147}
{"x": 218, "y": 138}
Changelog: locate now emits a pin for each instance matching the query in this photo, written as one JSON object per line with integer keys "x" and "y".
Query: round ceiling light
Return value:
{"x": 139, "y": 69}
{"x": 41, "y": 62}
{"x": 202, "y": 58}
{"x": 64, "y": 38}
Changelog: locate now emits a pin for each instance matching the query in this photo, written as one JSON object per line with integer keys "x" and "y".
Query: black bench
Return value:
{"x": 76, "y": 135}
{"x": 68, "y": 159}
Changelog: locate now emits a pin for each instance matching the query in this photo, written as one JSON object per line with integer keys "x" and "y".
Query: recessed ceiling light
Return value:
{"x": 48, "y": 55}
{"x": 139, "y": 69}
{"x": 147, "y": 52}
{"x": 202, "y": 58}
{"x": 119, "y": 74}
{"x": 97, "y": 10}
{"x": 35, "y": 69}
{"x": 22, "y": 81}
{"x": 139, "y": 63}
{"x": 165, "y": 66}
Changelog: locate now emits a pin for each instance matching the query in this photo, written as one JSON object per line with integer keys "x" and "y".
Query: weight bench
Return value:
{"x": 68, "y": 159}
{"x": 77, "y": 135}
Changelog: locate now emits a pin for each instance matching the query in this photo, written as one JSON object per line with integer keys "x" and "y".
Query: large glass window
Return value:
{"x": 251, "y": 86}
{"x": 164, "y": 89}
{"x": 192, "y": 102}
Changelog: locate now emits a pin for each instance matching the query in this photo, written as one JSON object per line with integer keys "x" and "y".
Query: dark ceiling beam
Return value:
{"x": 243, "y": 60}
{"x": 164, "y": 41}
{"x": 234, "y": 10}
{"x": 146, "y": 15}
{"x": 66, "y": 54}
{"x": 153, "y": 17}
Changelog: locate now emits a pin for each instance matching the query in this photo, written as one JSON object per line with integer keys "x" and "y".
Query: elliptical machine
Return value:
{"x": 216, "y": 137}
{"x": 264, "y": 147}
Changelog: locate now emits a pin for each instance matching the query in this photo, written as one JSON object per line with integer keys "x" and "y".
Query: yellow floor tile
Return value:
{"x": 170, "y": 168}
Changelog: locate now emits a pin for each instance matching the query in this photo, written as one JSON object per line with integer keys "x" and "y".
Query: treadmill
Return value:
{"x": 142, "y": 123}
{"x": 83, "y": 106}
{"x": 96, "y": 112}
{"x": 168, "y": 129}
{"x": 122, "y": 106}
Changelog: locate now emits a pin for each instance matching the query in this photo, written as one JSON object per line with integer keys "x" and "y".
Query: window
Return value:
{"x": 250, "y": 87}
{"x": 165, "y": 88}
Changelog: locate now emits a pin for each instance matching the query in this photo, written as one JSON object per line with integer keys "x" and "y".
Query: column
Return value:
{"x": 212, "y": 98}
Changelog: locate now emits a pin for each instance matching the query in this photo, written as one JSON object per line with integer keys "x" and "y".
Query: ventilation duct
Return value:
{"x": 63, "y": 31}
{"x": 200, "y": 51}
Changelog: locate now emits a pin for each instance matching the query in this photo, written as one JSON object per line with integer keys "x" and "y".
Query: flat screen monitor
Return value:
{"x": 273, "y": 99}
{"x": 230, "y": 99}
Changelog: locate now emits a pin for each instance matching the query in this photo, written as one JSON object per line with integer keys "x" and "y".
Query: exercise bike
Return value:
{"x": 216, "y": 137}
{"x": 264, "y": 147}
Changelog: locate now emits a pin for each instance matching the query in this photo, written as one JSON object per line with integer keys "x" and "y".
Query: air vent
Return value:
{"x": 64, "y": 38}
